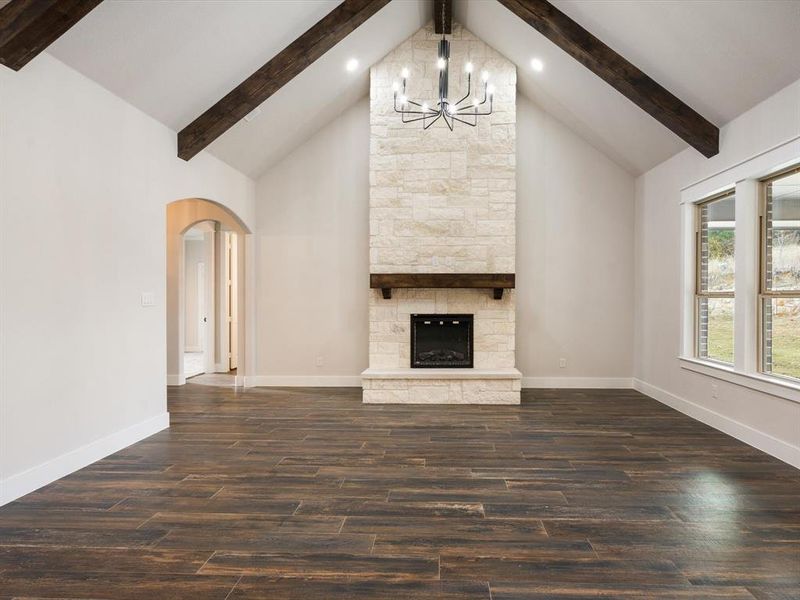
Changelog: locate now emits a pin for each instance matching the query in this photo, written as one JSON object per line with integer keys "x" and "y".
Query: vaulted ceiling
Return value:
{"x": 173, "y": 60}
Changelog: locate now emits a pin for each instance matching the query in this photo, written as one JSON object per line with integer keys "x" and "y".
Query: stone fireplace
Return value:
{"x": 442, "y": 203}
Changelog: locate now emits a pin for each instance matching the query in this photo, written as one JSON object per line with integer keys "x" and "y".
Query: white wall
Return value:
{"x": 313, "y": 258}
{"x": 766, "y": 421}
{"x": 574, "y": 262}
{"x": 573, "y": 302}
{"x": 84, "y": 183}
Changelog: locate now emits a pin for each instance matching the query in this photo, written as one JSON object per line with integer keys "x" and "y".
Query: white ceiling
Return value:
{"x": 721, "y": 57}
{"x": 175, "y": 58}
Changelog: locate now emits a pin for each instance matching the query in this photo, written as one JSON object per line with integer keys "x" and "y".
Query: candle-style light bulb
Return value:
{"x": 490, "y": 90}
{"x": 403, "y": 100}
{"x": 485, "y": 76}
{"x": 468, "y": 67}
{"x": 404, "y": 73}
{"x": 441, "y": 63}
{"x": 395, "y": 87}
{"x": 424, "y": 107}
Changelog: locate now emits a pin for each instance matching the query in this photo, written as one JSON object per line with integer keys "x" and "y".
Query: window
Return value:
{"x": 714, "y": 297}
{"x": 780, "y": 275}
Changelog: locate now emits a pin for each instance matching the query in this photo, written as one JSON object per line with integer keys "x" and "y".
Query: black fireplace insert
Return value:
{"x": 439, "y": 341}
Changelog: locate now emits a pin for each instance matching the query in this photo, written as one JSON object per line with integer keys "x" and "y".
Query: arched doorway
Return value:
{"x": 231, "y": 344}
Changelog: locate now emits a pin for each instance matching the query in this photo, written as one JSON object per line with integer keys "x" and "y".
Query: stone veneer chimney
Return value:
{"x": 442, "y": 202}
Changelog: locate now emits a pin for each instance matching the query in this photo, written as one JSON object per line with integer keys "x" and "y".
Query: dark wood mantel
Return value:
{"x": 493, "y": 281}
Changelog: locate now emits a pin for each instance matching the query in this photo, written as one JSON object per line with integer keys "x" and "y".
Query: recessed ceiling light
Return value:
{"x": 537, "y": 65}
{"x": 352, "y": 65}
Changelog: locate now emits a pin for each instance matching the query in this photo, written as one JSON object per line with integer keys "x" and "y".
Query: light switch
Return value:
{"x": 148, "y": 299}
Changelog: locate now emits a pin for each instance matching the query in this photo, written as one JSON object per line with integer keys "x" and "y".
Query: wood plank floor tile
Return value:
{"x": 285, "y": 542}
{"x": 538, "y": 591}
{"x": 38, "y": 559}
{"x": 322, "y": 566}
{"x": 114, "y": 586}
{"x": 561, "y": 570}
{"x": 259, "y": 588}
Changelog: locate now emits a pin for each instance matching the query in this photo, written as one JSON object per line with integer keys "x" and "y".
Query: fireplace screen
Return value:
{"x": 441, "y": 341}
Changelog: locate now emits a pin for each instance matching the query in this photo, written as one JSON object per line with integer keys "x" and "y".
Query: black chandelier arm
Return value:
{"x": 460, "y": 120}
{"x": 438, "y": 116}
{"x": 469, "y": 89}
{"x": 430, "y": 111}
{"x": 483, "y": 114}
{"x": 417, "y": 112}
{"x": 447, "y": 120}
{"x": 413, "y": 120}
{"x": 474, "y": 114}
{"x": 481, "y": 103}
{"x": 429, "y": 115}
{"x": 426, "y": 113}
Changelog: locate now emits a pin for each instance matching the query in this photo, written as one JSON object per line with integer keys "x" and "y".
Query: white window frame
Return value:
{"x": 699, "y": 293}
{"x": 765, "y": 293}
{"x": 746, "y": 177}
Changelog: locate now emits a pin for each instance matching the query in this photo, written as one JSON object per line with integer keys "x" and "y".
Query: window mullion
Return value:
{"x": 746, "y": 260}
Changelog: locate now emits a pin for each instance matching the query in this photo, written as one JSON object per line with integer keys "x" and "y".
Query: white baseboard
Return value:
{"x": 744, "y": 433}
{"x": 23, "y": 483}
{"x": 355, "y": 381}
{"x": 303, "y": 381}
{"x": 175, "y": 379}
{"x": 597, "y": 383}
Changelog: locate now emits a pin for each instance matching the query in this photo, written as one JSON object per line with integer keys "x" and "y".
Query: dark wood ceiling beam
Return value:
{"x": 29, "y": 26}
{"x": 279, "y": 71}
{"x": 443, "y": 16}
{"x": 625, "y": 77}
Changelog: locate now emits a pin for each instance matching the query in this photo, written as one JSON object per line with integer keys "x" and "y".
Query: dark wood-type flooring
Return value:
{"x": 308, "y": 494}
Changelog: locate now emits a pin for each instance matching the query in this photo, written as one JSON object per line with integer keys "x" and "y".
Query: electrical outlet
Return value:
{"x": 320, "y": 361}
{"x": 562, "y": 363}
{"x": 714, "y": 390}
{"x": 148, "y": 299}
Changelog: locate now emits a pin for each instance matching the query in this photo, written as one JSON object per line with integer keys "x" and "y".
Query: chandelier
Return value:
{"x": 466, "y": 110}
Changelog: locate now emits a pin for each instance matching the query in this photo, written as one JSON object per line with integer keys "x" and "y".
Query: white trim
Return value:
{"x": 600, "y": 383}
{"x": 26, "y": 482}
{"x": 355, "y": 381}
{"x": 773, "y": 386}
{"x": 744, "y": 433}
{"x": 688, "y": 273}
{"x": 771, "y": 154}
{"x": 303, "y": 381}
{"x": 175, "y": 379}
{"x": 746, "y": 277}
{"x": 193, "y": 349}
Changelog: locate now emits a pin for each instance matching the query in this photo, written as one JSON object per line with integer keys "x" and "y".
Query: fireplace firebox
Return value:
{"x": 441, "y": 341}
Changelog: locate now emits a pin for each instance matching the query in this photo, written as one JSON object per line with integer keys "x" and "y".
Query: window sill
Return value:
{"x": 774, "y": 386}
